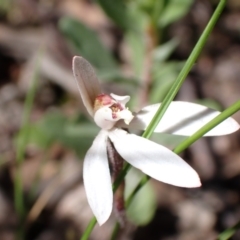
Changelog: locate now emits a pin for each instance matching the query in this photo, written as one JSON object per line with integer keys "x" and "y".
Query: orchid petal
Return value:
{"x": 97, "y": 179}
{"x": 155, "y": 160}
{"x": 87, "y": 82}
{"x": 121, "y": 99}
{"x": 183, "y": 118}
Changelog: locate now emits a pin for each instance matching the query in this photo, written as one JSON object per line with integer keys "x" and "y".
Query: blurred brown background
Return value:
{"x": 38, "y": 40}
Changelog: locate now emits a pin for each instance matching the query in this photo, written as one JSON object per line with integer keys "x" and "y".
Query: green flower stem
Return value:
{"x": 115, "y": 231}
{"x": 89, "y": 229}
{"x": 170, "y": 96}
{"x": 228, "y": 233}
{"x": 20, "y": 151}
{"x": 18, "y": 188}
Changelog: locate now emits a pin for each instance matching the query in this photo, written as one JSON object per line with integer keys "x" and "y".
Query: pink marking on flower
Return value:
{"x": 103, "y": 100}
{"x": 116, "y": 107}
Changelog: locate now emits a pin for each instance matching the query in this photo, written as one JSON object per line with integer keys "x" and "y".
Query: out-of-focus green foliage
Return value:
{"x": 86, "y": 43}
{"x": 228, "y": 233}
{"x": 142, "y": 209}
{"x": 210, "y": 103}
{"x": 118, "y": 12}
{"x": 163, "y": 75}
{"x": 167, "y": 140}
{"x": 76, "y": 134}
{"x": 173, "y": 11}
{"x": 5, "y": 5}
{"x": 137, "y": 48}
{"x": 164, "y": 51}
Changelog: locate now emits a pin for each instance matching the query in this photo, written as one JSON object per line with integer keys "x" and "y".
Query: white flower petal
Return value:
{"x": 97, "y": 179}
{"x": 121, "y": 99}
{"x": 103, "y": 118}
{"x": 155, "y": 160}
{"x": 87, "y": 82}
{"x": 126, "y": 115}
{"x": 183, "y": 118}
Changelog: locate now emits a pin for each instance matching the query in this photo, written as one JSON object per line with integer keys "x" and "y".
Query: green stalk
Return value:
{"x": 170, "y": 96}
{"x": 21, "y": 147}
{"x": 228, "y": 233}
{"x": 89, "y": 229}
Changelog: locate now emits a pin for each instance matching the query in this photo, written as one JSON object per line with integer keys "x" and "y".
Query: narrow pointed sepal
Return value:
{"x": 97, "y": 179}
{"x": 87, "y": 82}
{"x": 183, "y": 118}
{"x": 154, "y": 160}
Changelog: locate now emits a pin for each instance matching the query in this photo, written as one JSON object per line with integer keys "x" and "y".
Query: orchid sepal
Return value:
{"x": 183, "y": 118}
{"x": 87, "y": 82}
{"x": 97, "y": 179}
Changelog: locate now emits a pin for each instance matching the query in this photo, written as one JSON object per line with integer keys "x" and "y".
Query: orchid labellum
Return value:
{"x": 112, "y": 116}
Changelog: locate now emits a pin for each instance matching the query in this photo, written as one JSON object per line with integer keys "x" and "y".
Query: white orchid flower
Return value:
{"x": 110, "y": 114}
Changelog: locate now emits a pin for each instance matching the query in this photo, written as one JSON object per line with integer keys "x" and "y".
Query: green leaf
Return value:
{"x": 36, "y": 136}
{"x": 137, "y": 47}
{"x": 167, "y": 140}
{"x": 210, "y": 103}
{"x": 86, "y": 43}
{"x": 160, "y": 88}
{"x": 55, "y": 127}
{"x": 164, "y": 75}
{"x": 118, "y": 77}
{"x": 142, "y": 208}
{"x": 21, "y": 145}
{"x": 117, "y": 11}
{"x": 5, "y": 6}
{"x": 163, "y": 52}
{"x": 228, "y": 233}
{"x": 174, "y": 10}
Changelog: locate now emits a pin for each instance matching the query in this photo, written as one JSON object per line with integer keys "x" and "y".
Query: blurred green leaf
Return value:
{"x": 55, "y": 127}
{"x": 162, "y": 69}
{"x": 117, "y": 77}
{"x": 142, "y": 209}
{"x": 210, "y": 103}
{"x": 118, "y": 12}
{"x": 164, "y": 74}
{"x": 159, "y": 90}
{"x": 158, "y": 7}
{"x": 152, "y": 8}
{"x": 137, "y": 47}
{"x": 86, "y": 43}
{"x": 163, "y": 52}
{"x": 228, "y": 233}
{"x": 173, "y": 11}
{"x": 5, "y": 6}
{"x": 167, "y": 140}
